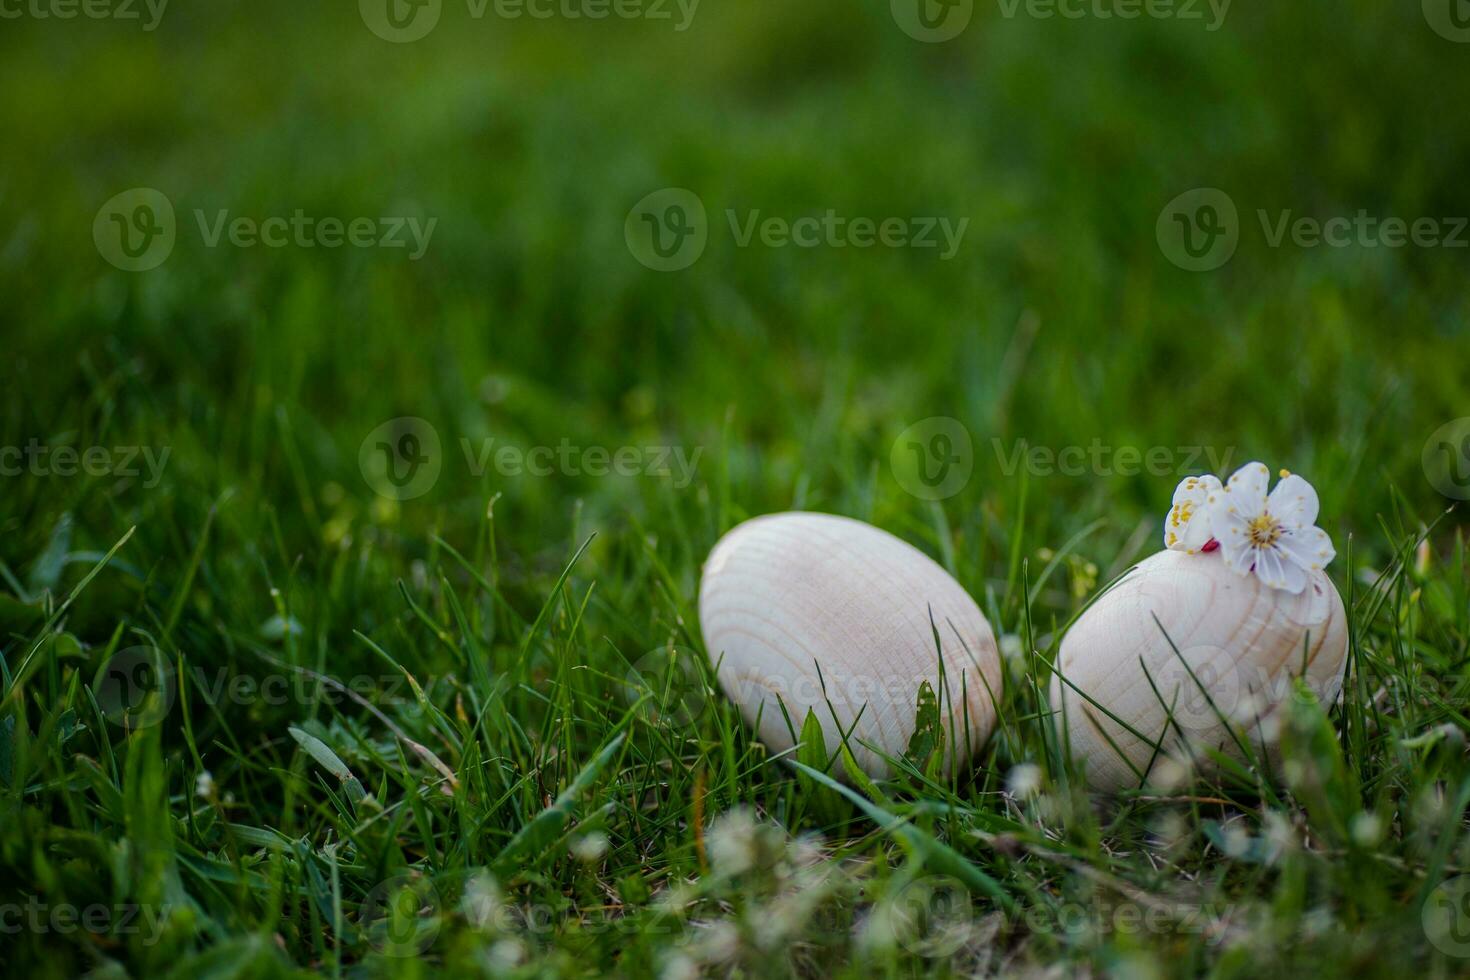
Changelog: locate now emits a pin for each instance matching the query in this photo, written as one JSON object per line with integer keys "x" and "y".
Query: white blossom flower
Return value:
{"x": 590, "y": 848}
{"x": 1187, "y": 528}
{"x": 1366, "y": 828}
{"x": 1273, "y": 536}
{"x": 732, "y": 842}
{"x": 1024, "y": 780}
{"x": 679, "y": 966}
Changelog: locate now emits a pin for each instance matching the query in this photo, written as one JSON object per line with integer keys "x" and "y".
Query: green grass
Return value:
{"x": 491, "y": 750}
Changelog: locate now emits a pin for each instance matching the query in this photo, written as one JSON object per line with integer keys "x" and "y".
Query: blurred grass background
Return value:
{"x": 1059, "y": 322}
{"x": 530, "y": 140}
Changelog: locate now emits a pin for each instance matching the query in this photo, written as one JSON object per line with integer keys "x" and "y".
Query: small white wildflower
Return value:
{"x": 679, "y": 966}
{"x": 677, "y": 899}
{"x": 590, "y": 848}
{"x": 1170, "y": 773}
{"x": 482, "y": 904}
{"x": 1268, "y": 727}
{"x": 1248, "y": 709}
{"x": 204, "y": 785}
{"x": 1318, "y": 922}
{"x": 732, "y": 842}
{"x": 1279, "y": 835}
{"x": 878, "y": 931}
{"x": 1169, "y": 830}
{"x": 505, "y": 955}
{"x": 1429, "y": 805}
{"x": 805, "y": 851}
{"x": 718, "y": 943}
{"x": 1024, "y": 780}
{"x": 1366, "y": 828}
{"x": 1237, "y": 842}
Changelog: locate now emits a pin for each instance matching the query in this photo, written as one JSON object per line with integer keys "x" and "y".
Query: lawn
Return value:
{"x": 357, "y": 474}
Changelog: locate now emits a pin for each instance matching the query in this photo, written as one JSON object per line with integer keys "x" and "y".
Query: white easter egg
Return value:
{"x": 1243, "y": 642}
{"x": 830, "y": 614}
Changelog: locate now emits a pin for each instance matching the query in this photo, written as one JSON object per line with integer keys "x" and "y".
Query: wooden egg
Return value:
{"x": 787, "y": 595}
{"x": 1244, "y": 643}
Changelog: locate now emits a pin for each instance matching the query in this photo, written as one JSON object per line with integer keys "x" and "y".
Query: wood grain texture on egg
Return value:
{"x": 1244, "y": 644}
{"x": 785, "y": 593}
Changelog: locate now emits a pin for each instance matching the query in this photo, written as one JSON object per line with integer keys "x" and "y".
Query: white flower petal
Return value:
{"x": 1295, "y": 576}
{"x": 1197, "y": 532}
{"x": 1196, "y": 488}
{"x": 1278, "y": 571}
{"x": 1225, "y": 517}
{"x": 1268, "y": 568}
{"x": 1187, "y": 528}
{"x": 1311, "y": 548}
{"x": 1247, "y": 488}
{"x": 1293, "y": 502}
{"x": 1236, "y": 548}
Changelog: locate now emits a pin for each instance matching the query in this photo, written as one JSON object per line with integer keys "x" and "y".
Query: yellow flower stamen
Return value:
{"x": 1264, "y": 530}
